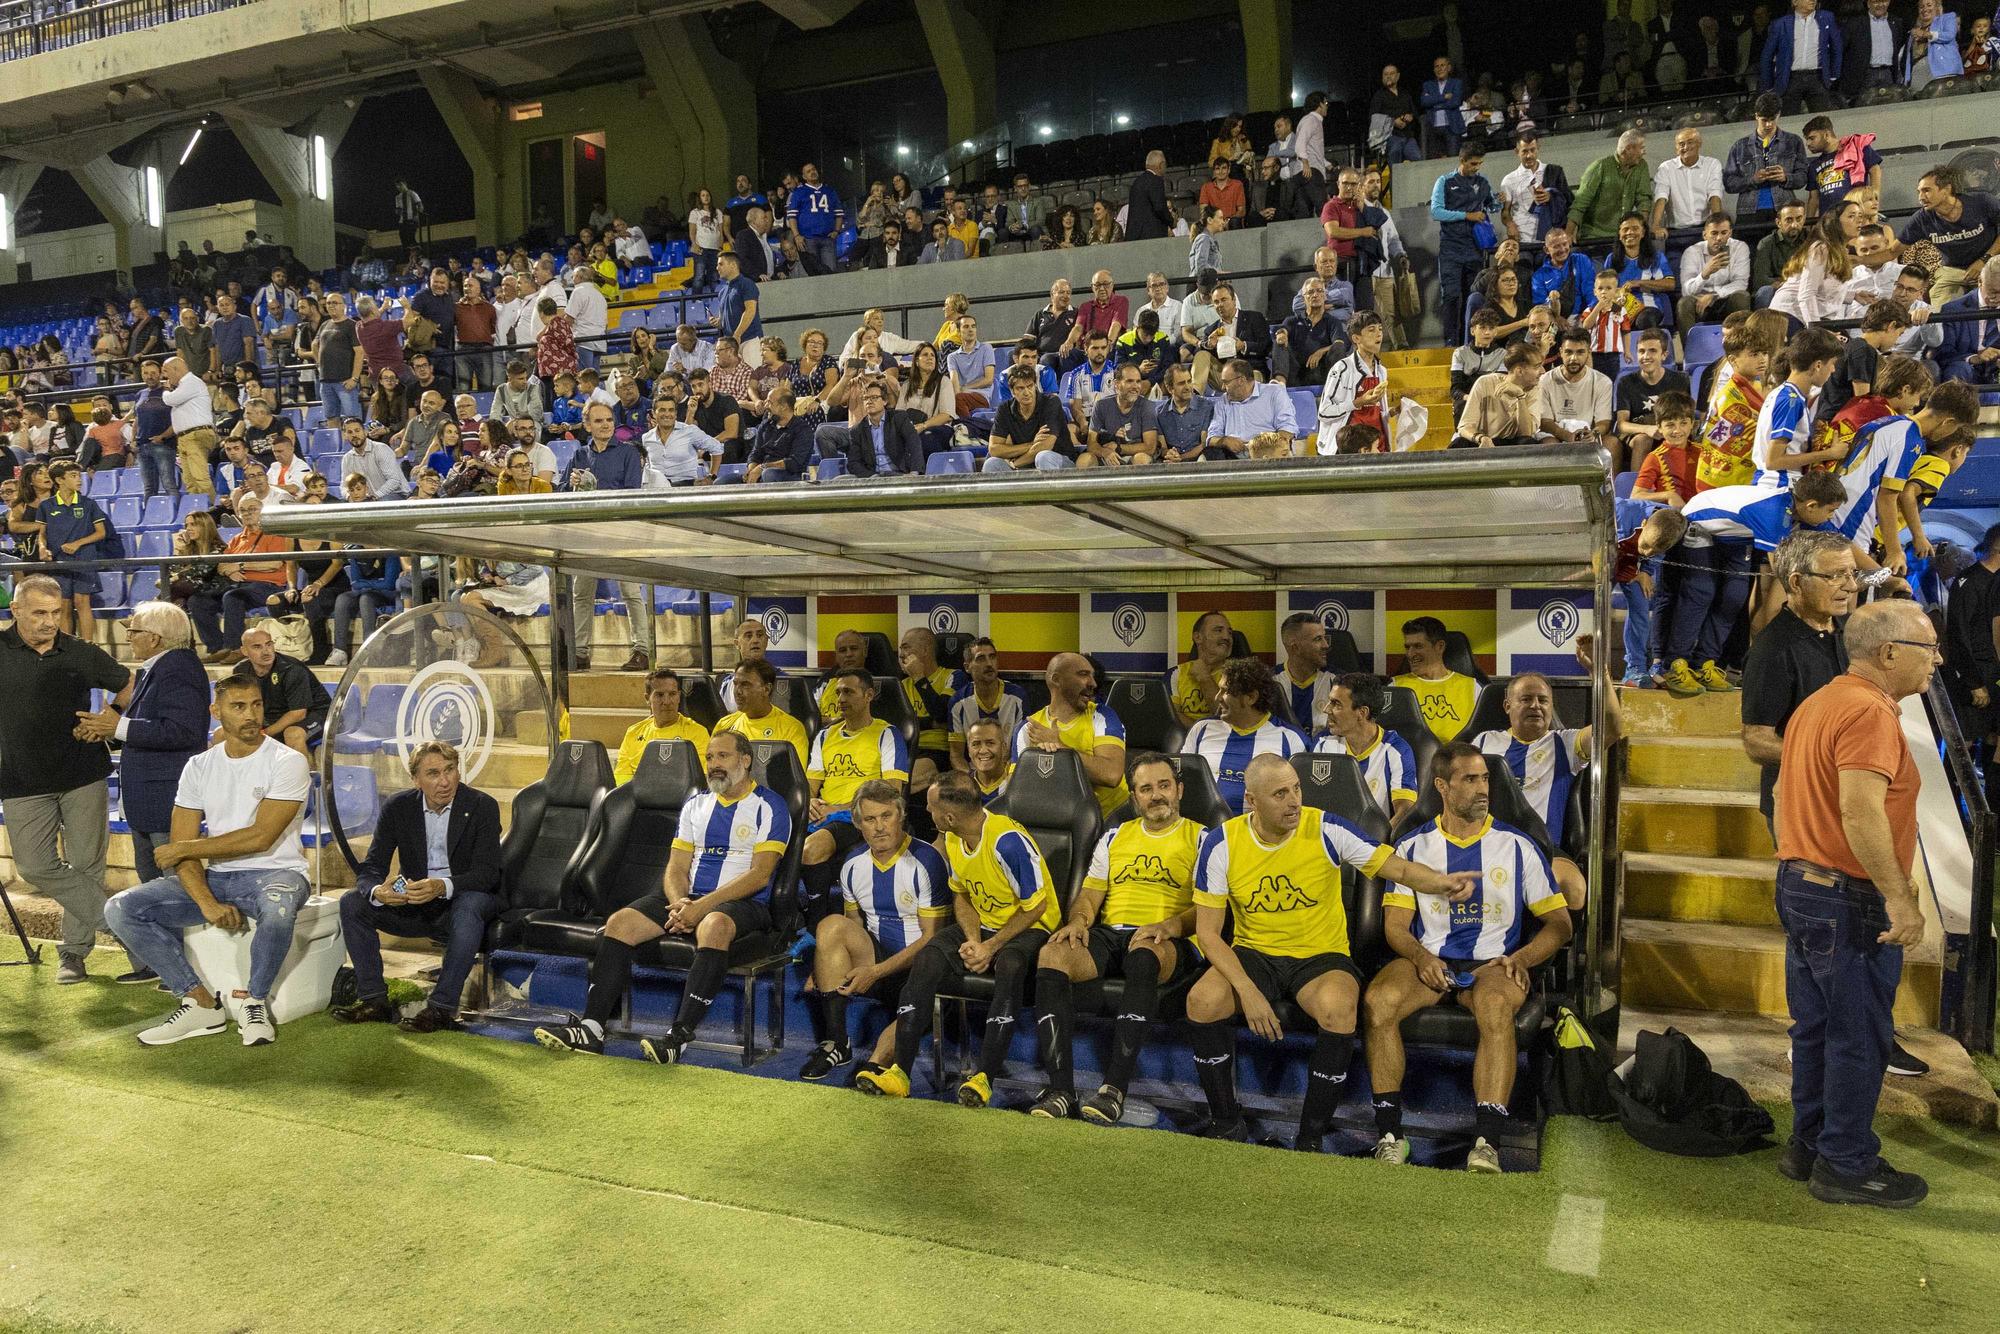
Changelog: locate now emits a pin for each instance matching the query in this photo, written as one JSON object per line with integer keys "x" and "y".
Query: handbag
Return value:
{"x": 419, "y": 334}
{"x": 291, "y": 635}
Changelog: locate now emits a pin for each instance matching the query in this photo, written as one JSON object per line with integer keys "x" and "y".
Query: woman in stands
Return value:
{"x": 647, "y": 359}
{"x": 1104, "y": 228}
{"x": 64, "y": 425}
{"x": 1642, "y": 272}
{"x": 198, "y": 537}
{"x": 1066, "y": 231}
{"x": 10, "y": 382}
{"x": 705, "y": 236}
{"x": 771, "y": 371}
{"x": 57, "y": 361}
{"x": 34, "y": 487}
{"x": 874, "y": 211}
{"x": 1499, "y": 290}
{"x": 928, "y": 399}
{"x": 1814, "y": 284}
{"x": 955, "y": 305}
{"x": 902, "y": 195}
{"x": 519, "y": 478}
{"x": 388, "y": 407}
{"x": 815, "y": 380}
{"x": 1222, "y": 148}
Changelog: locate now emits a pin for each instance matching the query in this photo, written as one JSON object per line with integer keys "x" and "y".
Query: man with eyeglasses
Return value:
{"x": 1160, "y": 301}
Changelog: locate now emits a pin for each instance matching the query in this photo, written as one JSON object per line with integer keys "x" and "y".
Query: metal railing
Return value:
{"x": 30, "y": 27}
{"x": 1974, "y": 964}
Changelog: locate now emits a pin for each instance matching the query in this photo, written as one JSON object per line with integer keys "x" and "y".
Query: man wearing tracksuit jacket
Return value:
{"x": 1459, "y": 201}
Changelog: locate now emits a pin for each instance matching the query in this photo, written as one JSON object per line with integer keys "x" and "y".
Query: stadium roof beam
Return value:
{"x": 16, "y": 179}
{"x": 707, "y": 97}
{"x": 301, "y": 171}
{"x": 810, "y": 14}
{"x": 1267, "y": 52}
{"x": 474, "y": 121}
{"x": 121, "y": 194}
{"x": 962, "y": 45}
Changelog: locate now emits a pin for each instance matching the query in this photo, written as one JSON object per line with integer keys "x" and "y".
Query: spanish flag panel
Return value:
{"x": 1253, "y": 614}
{"x": 1031, "y": 628}
{"x": 835, "y": 614}
{"x": 1468, "y": 609}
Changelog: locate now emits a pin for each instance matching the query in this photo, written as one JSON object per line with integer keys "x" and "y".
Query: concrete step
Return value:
{"x": 1711, "y": 966}
{"x": 605, "y": 725}
{"x": 1408, "y": 380}
{"x": 1734, "y": 891}
{"x": 1713, "y": 763}
{"x": 1693, "y": 822}
{"x": 608, "y": 690}
{"x": 1418, "y": 356}
{"x": 1656, "y": 713}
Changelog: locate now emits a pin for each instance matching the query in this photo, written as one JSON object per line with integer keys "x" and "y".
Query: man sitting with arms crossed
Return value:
{"x": 1244, "y": 730}
{"x": 718, "y": 887}
{"x": 1474, "y": 949}
{"x": 1277, "y": 870}
{"x": 845, "y": 755}
{"x": 986, "y": 758}
{"x": 1134, "y": 918}
{"x": 1388, "y": 765}
{"x": 448, "y": 834}
{"x": 984, "y": 696}
{"x": 895, "y": 895}
{"x": 1306, "y": 679}
{"x": 668, "y": 723}
{"x": 1074, "y": 720}
{"x": 928, "y": 690}
{"x": 251, "y": 793}
{"x": 756, "y": 717}
{"x": 1545, "y": 760}
{"x": 1003, "y": 909}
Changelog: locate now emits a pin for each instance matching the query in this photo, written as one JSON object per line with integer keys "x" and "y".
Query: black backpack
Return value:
{"x": 1579, "y": 1079}
{"x": 1671, "y": 1100}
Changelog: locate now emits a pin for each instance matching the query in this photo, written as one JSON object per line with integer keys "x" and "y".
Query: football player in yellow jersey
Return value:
{"x": 756, "y": 717}
{"x": 927, "y": 690}
{"x": 848, "y": 752}
{"x": 1276, "y": 869}
{"x": 986, "y": 752}
{"x": 1133, "y": 918}
{"x": 850, "y": 654}
{"x": 1194, "y": 687}
{"x": 1003, "y": 909}
{"x": 1074, "y": 720}
{"x": 1444, "y": 696}
{"x": 668, "y": 723}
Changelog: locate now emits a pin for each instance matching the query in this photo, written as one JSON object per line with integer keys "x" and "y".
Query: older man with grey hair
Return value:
{"x": 1612, "y": 186}
{"x": 1146, "y": 216}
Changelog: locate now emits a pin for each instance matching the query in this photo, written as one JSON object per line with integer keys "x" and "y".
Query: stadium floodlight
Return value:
{"x": 966, "y": 144}
{"x": 322, "y": 169}
{"x": 1123, "y": 118}
{"x": 1046, "y": 130}
{"x": 902, "y": 150}
{"x": 6, "y": 224}
{"x": 156, "y": 204}
{"x": 188, "y": 152}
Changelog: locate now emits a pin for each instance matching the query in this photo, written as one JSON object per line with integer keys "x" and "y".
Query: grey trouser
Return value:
{"x": 73, "y": 876}
{"x": 638, "y": 609}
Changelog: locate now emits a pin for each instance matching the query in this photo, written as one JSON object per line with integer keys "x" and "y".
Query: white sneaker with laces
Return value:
{"x": 1392, "y": 1149}
{"x": 187, "y": 1021}
{"x": 1483, "y": 1158}
{"x": 253, "y": 1022}
{"x": 337, "y": 658}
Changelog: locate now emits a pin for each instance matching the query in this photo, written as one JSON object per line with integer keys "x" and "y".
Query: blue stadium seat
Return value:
{"x": 356, "y": 802}
{"x": 124, "y": 512}
{"x": 144, "y": 586}
{"x": 1703, "y": 343}
{"x": 832, "y": 468}
{"x": 1305, "y": 410}
{"x": 731, "y": 473}
{"x": 110, "y": 596}
{"x": 153, "y": 543}
{"x": 131, "y": 482}
{"x": 948, "y": 461}
{"x": 378, "y": 721}
{"x": 1622, "y": 484}
{"x": 158, "y": 513}
{"x": 193, "y": 504}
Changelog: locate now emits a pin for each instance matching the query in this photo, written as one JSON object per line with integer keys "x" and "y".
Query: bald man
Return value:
{"x": 928, "y": 690}
{"x": 186, "y": 397}
{"x": 1073, "y": 720}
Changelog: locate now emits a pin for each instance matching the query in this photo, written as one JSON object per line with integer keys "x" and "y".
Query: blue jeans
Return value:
{"x": 368, "y": 604}
{"x": 1840, "y": 986}
{"x": 150, "y": 918}
{"x": 823, "y": 249}
{"x": 339, "y": 401}
{"x": 459, "y": 922}
{"x": 157, "y": 469}
{"x": 1639, "y": 622}
{"x": 704, "y": 269}
{"x": 1401, "y": 148}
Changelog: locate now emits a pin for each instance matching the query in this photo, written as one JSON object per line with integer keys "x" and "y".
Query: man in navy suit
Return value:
{"x": 1970, "y": 349}
{"x": 882, "y": 443}
{"x": 1440, "y": 100}
{"x": 445, "y": 838}
{"x": 1801, "y": 58}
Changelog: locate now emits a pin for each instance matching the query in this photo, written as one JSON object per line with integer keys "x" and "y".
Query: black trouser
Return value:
{"x": 1807, "y": 90}
{"x": 938, "y": 964}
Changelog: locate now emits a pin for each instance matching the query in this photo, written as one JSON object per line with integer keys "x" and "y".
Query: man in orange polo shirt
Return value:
{"x": 1847, "y": 822}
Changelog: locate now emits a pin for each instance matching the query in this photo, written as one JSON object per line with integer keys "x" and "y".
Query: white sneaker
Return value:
{"x": 1484, "y": 1158}
{"x": 253, "y": 1022}
{"x": 337, "y": 658}
{"x": 1392, "y": 1149}
{"x": 188, "y": 1021}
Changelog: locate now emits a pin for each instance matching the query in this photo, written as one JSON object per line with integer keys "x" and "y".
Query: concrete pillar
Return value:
{"x": 1267, "y": 53}
{"x": 963, "y": 49}
{"x": 286, "y": 160}
{"x": 16, "y": 179}
{"x": 708, "y": 100}
{"x": 120, "y": 195}
{"x": 474, "y": 121}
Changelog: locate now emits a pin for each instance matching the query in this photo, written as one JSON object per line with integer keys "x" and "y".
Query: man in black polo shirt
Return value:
{"x": 1797, "y": 653}
{"x": 718, "y": 414}
{"x": 1030, "y": 429}
{"x": 51, "y": 783}
{"x": 295, "y": 701}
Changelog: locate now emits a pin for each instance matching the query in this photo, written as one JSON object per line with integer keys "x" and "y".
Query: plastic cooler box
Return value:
{"x": 305, "y": 982}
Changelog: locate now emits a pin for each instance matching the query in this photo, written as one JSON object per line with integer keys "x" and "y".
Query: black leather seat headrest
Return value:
{"x": 1047, "y": 787}
{"x": 578, "y": 771}
{"x": 669, "y": 773}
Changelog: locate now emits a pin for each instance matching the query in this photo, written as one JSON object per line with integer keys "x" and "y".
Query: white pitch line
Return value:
{"x": 1576, "y": 1242}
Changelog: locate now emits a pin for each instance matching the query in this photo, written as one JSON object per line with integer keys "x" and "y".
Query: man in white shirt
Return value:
{"x": 632, "y": 246}
{"x": 592, "y": 314}
{"x": 677, "y": 453}
{"x": 186, "y": 397}
{"x": 1875, "y": 269}
{"x": 1686, "y": 189}
{"x": 1163, "y": 306}
{"x": 688, "y": 353}
{"x": 251, "y": 793}
{"x": 1715, "y": 275}
{"x": 1576, "y": 399}
{"x": 546, "y": 285}
{"x": 1521, "y": 191}
{"x": 509, "y": 308}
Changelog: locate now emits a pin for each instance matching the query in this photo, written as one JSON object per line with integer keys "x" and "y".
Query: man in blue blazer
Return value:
{"x": 445, "y": 838}
{"x": 1440, "y": 100}
{"x": 1970, "y": 349}
{"x": 163, "y": 727}
{"x": 1796, "y": 78}
{"x": 881, "y": 435}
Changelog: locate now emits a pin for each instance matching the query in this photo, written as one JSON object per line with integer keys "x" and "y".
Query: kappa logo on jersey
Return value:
{"x": 843, "y": 766}
{"x": 1144, "y": 870}
{"x": 1438, "y": 706}
{"x": 984, "y": 899}
{"x": 1277, "y": 893}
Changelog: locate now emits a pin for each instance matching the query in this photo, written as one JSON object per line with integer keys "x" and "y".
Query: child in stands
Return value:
{"x": 1609, "y": 320}
{"x": 566, "y": 411}
{"x": 1783, "y": 445}
{"x": 1667, "y": 477}
{"x": 1639, "y": 550}
{"x": 1732, "y": 415}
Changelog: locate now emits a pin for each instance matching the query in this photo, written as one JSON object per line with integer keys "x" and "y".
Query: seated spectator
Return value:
{"x": 1814, "y": 284}
{"x": 1481, "y": 354}
{"x": 1181, "y": 417}
{"x": 1055, "y": 328}
{"x": 1970, "y": 349}
{"x": 242, "y": 586}
{"x": 969, "y": 367}
{"x": 676, "y": 452}
{"x": 1566, "y": 275}
{"x": 1029, "y": 429}
{"x": 1388, "y": 765}
{"x": 1715, "y": 276}
{"x": 943, "y": 245}
{"x": 1444, "y": 697}
{"x": 665, "y": 722}
{"x": 1224, "y": 193}
{"x": 1238, "y": 333}
{"x": 1104, "y": 226}
{"x": 1503, "y": 407}
{"x": 1270, "y": 196}
{"x": 1964, "y": 226}
{"x": 1248, "y": 410}
{"x": 1478, "y": 951}
{"x": 1774, "y": 252}
{"x": 688, "y": 352}
{"x": 296, "y": 702}
{"x": 1089, "y": 380}
{"x": 1576, "y": 400}
{"x": 1642, "y": 272}
{"x": 1242, "y": 729}
{"x": 250, "y": 792}
{"x": 782, "y": 441}
{"x": 1295, "y": 950}
{"x": 1119, "y": 429}
{"x": 1339, "y": 292}
{"x": 1638, "y": 393}
{"x": 714, "y": 891}
{"x": 881, "y": 442}
{"x": 1308, "y": 342}
{"x": 1145, "y": 346}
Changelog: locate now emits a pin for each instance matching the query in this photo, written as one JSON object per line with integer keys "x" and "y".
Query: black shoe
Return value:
{"x": 137, "y": 976}
{"x": 826, "y": 1058}
{"x": 431, "y": 1019}
{"x": 1104, "y": 1107}
{"x": 1311, "y": 1138}
{"x": 571, "y": 1037}
{"x": 363, "y": 1012}
{"x": 666, "y": 1050}
{"x": 1796, "y": 1162}
{"x": 1902, "y": 1063}
{"x": 1054, "y": 1106}
{"x": 1237, "y": 1131}
{"x": 1885, "y": 1187}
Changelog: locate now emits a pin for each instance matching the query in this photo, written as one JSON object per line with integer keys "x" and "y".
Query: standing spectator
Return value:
{"x": 1205, "y": 251}
{"x": 608, "y": 464}
{"x": 1270, "y": 195}
{"x": 1392, "y": 121}
{"x": 1460, "y": 202}
{"x": 194, "y": 342}
{"x": 1612, "y": 187}
{"x": 1670, "y": 45}
{"x": 590, "y": 319}
{"x": 1765, "y": 166}
{"x": 476, "y": 324}
{"x": 739, "y": 204}
{"x": 1535, "y": 196}
{"x": 1847, "y": 831}
{"x": 436, "y": 304}
{"x": 152, "y": 432}
{"x": 739, "y": 317}
{"x": 52, "y": 779}
{"x": 815, "y": 215}
{"x": 1309, "y": 142}
{"x": 409, "y": 207}
{"x": 758, "y": 257}
{"x": 705, "y": 223}
{"x": 1870, "y": 43}
{"x": 1715, "y": 276}
{"x": 1838, "y": 166}
{"x": 1146, "y": 217}
{"x": 338, "y": 361}
{"x": 1440, "y": 99}
{"x": 1964, "y": 227}
{"x": 1801, "y": 58}
{"x": 1687, "y": 188}
{"x": 1932, "y": 52}
{"x": 381, "y": 340}
{"x": 1623, "y": 36}
{"x": 193, "y": 418}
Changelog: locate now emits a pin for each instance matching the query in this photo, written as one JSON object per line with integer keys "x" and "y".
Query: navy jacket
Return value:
{"x": 899, "y": 442}
{"x": 474, "y": 842}
{"x": 168, "y": 727}
{"x": 1961, "y": 339}
{"x": 1774, "y": 69}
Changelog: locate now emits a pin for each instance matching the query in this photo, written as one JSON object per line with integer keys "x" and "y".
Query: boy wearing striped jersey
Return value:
{"x": 1244, "y": 729}
{"x": 845, "y": 754}
{"x": 667, "y": 723}
{"x": 1780, "y": 449}
{"x": 1476, "y": 950}
{"x": 928, "y": 691}
{"x": 1133, "y": 918}
{"x": 1388, "y": 765}
{"x": 1073, "y": 720}
{"x": 1277, "y": 869}
{"x": 986, "y": 753}
{"x": 718, "y": 887}
{"x": 1306, "y": 681}
{"x": 895, "y": 894}
{"x": 1885, "y": 452}
{"x": 984, "y": 697}
{"x": 1545, "y": 760}
{"x": 756, "y": 717}
{"x": 1003, "y": 909}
